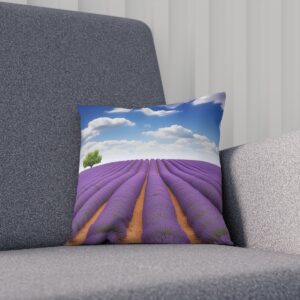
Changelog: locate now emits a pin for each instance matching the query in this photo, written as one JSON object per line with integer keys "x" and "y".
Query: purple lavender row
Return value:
{"x": 112, "y": 223}
{"x": 206, "y": 189}
{"x": 82, "y": 187}
{"x": 201, "y": 214}
{"x": 88, "y": 173}
{"x": 205, "y": 167}
{"x": 196, "y": 174}
{"x": 94, "y": 189}
{"x": 214, "y": 174}
{"x": 83, "y": 197}
{"x": 202, "y": 165}
{"x": 84, "y": 194}
{"x": 159, "y": 217}
{"x": 213, "y": 177}
{"x": 96, "y": 200}
{"x": 88, "y": 180}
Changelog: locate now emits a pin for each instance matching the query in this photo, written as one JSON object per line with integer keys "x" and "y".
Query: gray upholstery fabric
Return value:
{"x": 148, "y": 272}
{"x": 261, "y": 184}
{"x": 50, "y": 60}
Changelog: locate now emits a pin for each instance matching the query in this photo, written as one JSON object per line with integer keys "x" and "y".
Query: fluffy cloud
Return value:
{"x": 158, "y": 113}
{"x": 184, "y": 145}
{"x": 182, "y": 148}
{"x": 96, "y": 125}
{"x": 119, "y": 110}
{"x": 183, "y": 136}
{"x": 174, "y": 131}
{"x": 199, "y": 141}
{"x": 218, "y": 98}
{"x": 175, "y": 105}
{"x": 146, "y": 111}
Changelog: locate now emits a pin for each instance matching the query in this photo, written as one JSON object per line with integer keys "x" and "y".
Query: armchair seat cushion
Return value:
{"x": 148, "y": 272}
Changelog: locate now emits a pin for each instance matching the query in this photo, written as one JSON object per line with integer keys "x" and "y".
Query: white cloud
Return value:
{"x": 183, "y": 136}
{"x": 119, "y": 110}
{"x": 170, "y": 106}
{"x": 146, "y": 111}
{"x": 199, "y": 141}
{"x": 174, "y": 131}
{"x": 96, "y": 125}
{"x": 159, "y": 113}
{"x": 197, "y": 147}
{"x": 132, "y": 149}
{"x": 218, "y": 98}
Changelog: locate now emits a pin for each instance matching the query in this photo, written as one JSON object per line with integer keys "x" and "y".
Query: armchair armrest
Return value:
{"x": 261, "y": 186}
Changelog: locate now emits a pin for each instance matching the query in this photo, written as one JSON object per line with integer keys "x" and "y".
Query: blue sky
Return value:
{"x": 115, "y": 131}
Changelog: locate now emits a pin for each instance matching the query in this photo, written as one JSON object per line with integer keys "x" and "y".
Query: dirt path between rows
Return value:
{"x": 81, "y": 235}
{"x": 182, "y": 220}
{"x": 135, "y": 226}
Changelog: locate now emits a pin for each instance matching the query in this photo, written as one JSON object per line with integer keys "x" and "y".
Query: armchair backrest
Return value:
{"x": 261, "y": 184}
{"x": 50, "y": 60}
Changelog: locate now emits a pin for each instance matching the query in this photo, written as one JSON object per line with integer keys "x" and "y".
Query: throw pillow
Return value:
{"x": 150, "y": 175}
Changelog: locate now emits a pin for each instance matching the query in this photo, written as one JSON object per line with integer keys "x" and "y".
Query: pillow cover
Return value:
{"x": 150, "y": 175}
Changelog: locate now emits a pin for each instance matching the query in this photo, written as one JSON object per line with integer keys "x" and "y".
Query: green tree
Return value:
{"x": 92, "y": 158}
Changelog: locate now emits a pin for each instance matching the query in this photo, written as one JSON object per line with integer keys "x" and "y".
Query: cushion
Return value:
{"x": 50, "y": 60}
{"x": 148, "y": 272}
{"x": 150, "y": 175}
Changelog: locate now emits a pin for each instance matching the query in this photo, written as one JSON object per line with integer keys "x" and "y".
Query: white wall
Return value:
{"x": 248, "y": 48}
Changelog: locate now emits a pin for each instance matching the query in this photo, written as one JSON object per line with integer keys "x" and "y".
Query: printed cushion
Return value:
{"x": 150, "y": 175}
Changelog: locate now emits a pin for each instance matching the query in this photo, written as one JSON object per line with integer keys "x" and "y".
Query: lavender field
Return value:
{"x": 156, "y": 201}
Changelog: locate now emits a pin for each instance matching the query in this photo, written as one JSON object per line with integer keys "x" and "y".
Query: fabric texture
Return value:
{"x": 261, "y": 184}
{"x": 150, "y": 175}
{"x": 51, "y": 60}
{"x": 148, "y": 272}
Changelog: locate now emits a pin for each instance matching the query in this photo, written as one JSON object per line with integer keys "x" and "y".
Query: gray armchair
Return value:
{"x": 51, "y": 60}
